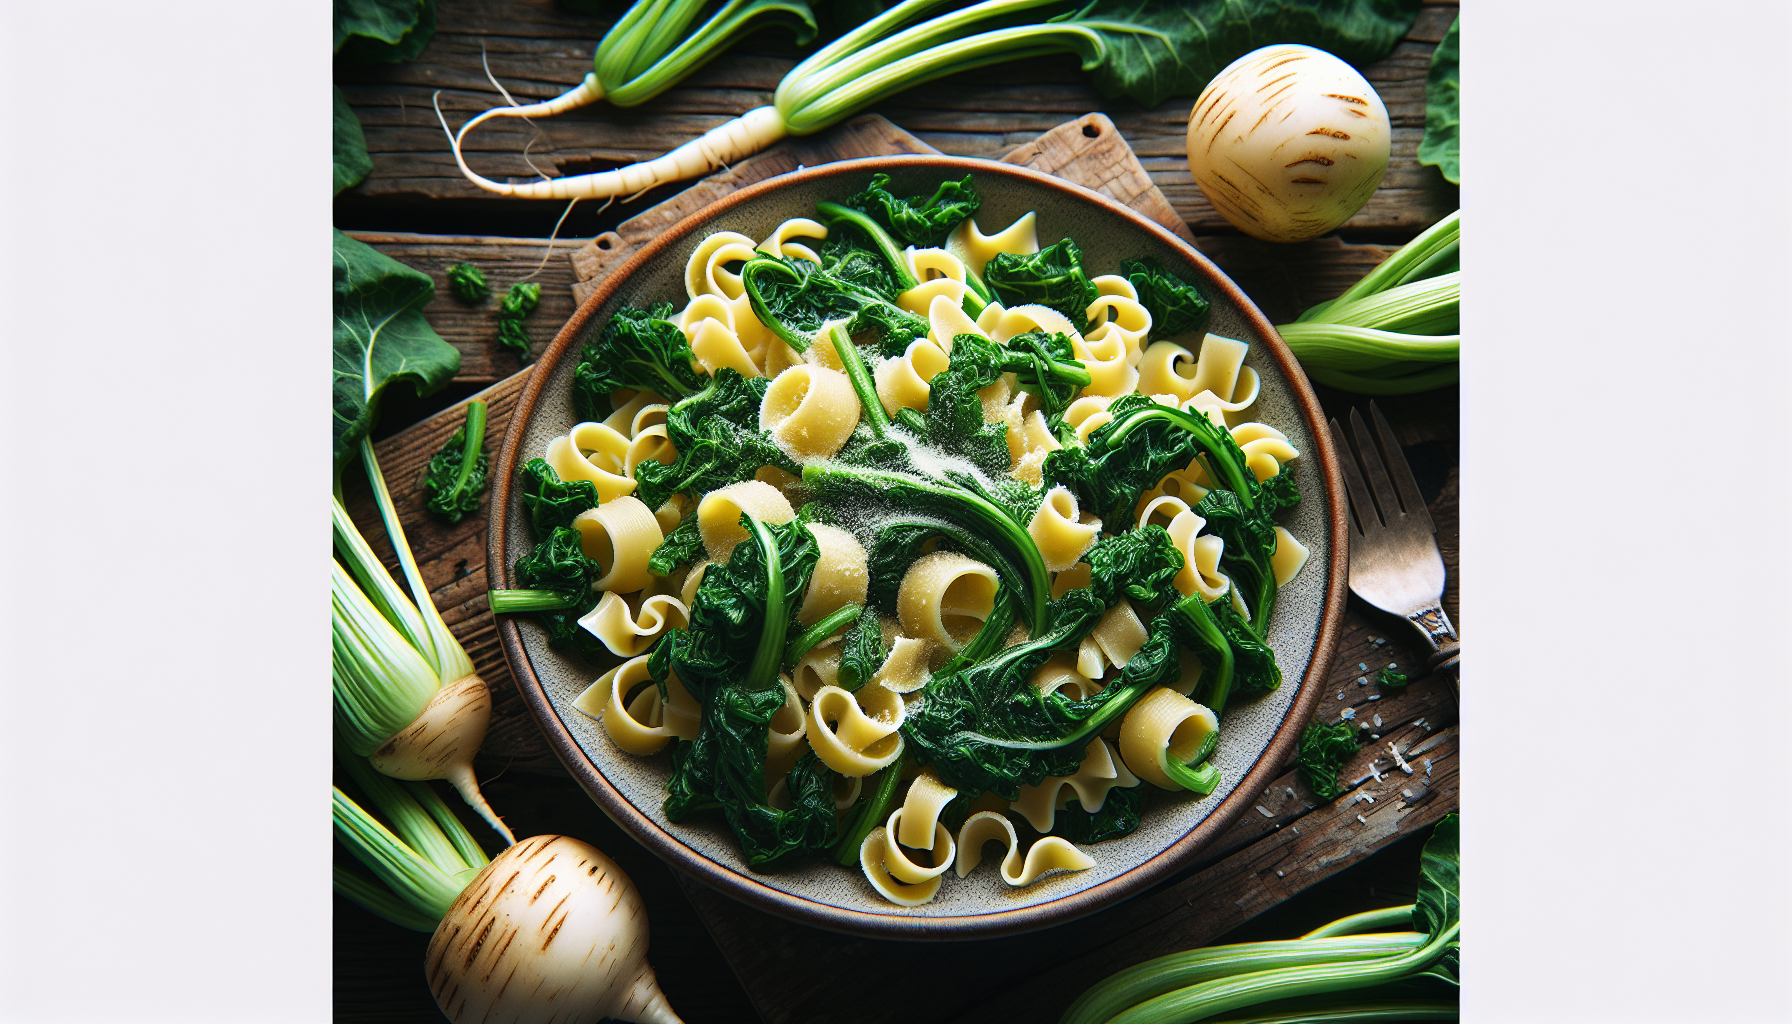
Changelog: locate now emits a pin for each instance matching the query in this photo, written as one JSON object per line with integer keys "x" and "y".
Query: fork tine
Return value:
{"x": 1401, "y": 470}
{"x": 1379, "y": 484}
{"x": 1367, "y": 522}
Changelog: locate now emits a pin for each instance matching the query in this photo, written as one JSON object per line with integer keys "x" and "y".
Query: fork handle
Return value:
{"x": 1432, "y": 622}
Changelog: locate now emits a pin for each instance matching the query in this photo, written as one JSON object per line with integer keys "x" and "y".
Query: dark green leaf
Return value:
{"x": 717, "y": 436}
{"x": 916, "y": 221}
{"x": 1176, "y": 306}
{"x": 1151, "y": 50}
{"x": 795, "y": 298}
{"x": 467, "y": 283}
{"x": 1388, "y": 677}
{"x": 683, "y": 546}
{"x": 559, "y": 565}
{"x": 455, "y": 477}
{"x": 1118, "y": 816}
{"x": 1130, "y": 453}
{"x": 383, "y": 31}
{"x": 1140, "y": 565}
{"x": 954, "y": 425}
{"x": 1439, "y": 903}
{"x": 1322, "y": 752}
{"x": 380, "y": 336}
{"x": 519, "y": 302}
{"x": 1442, "y": 145}
{"x": 349, "y": 147}
{"x": 552, "y": 502}
{"x": 861, "y": 651}
{"x": 641, "y": 349}
{"x": 1051, "y": 277}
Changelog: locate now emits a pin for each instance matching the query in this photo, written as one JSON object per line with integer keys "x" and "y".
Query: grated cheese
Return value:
{"x": 1362, "y": 819}
{"x": 1427, "y": 767}
{"x": 1266, "y": 812}
{"x": 1374, "y": 771}
{"x": 1347, "y": 713}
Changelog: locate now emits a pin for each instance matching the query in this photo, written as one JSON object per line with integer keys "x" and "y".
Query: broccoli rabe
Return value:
{"x": 468, "y": 283}
{"x": 641, "y": 349}
{"x": 456, "y": 475}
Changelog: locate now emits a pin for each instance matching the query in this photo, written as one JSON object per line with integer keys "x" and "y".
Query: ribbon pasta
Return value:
{"x": 628, "y": 635}
{"x": 1099, "y": 772}
{"x": 1052, "y": 853}
{"x": 850, "y": 740}
{"x": 944, "y": 597}
{"x": 1163, "y": 724}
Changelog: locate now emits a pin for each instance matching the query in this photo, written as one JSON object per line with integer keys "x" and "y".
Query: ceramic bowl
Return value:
{"x": 1259, "y": 735}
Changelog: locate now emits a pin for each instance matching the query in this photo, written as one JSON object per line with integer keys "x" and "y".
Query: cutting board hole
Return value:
{"x": 1091, "y": 132}
{"x": 603, "y": 243}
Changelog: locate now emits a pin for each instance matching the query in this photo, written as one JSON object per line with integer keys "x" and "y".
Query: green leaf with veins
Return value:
{"x": 552, "y": 502}
{"x": 379, "y": 337}
{"x": 349, "y": 158}
{"x": 641, "y": 349}
{"x": 1052, "y": 277}
{"x": 919, "y": 221}
{"x": 1151, "y": 50}
{"x": 1439, "y": 903}
{"x": 1442, "y": 145}
{"x": 383, "y": 31}
{"x": 1176, "y": 306}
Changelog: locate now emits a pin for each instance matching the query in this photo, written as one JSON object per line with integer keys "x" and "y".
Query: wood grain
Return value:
{"x": 538, "y": 50}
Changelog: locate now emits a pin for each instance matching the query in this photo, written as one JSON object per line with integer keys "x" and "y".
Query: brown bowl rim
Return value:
{"x": 891, "y": 926}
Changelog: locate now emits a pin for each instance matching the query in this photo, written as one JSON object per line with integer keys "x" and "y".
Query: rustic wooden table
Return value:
{"x": 1293, "y": 863}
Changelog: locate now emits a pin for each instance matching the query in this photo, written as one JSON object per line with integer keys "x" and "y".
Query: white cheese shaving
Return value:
{"x": 1401, "y": 761}
{"x": 1362, "y": 819}
{"x": 1266, "y": 812}
{"x": 1374, "y": 771}
{"x": 1347, "y": 713}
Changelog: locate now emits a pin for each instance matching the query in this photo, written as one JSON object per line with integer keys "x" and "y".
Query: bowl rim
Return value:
{"x": 745, "y": 887}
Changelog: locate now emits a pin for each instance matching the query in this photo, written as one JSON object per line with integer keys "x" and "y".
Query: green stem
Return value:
{"x": 1362, "y": 1011}
{"x": 1214, "y": 690}
{"x": 1177, "y": 970}
{"x": 1395, "y": 268}
{"x": 990, "y": 635}
{"x": 475, "y": 444}
{"x": 832, "y": 212}
{"x": 1208, "y": 998}
{"x": 445, "y": 653}
{"x": 1223, "y": 455}
{"x": 869, "y": 813}
{"x": 862, "y": 383}
{"x": 836, "y": 620}
{"x": 414, "y": 879}
{"x": 762, "y": 674}
{"x": 380, "y": 902}
{"x": 1368, "y": 921}
{"x": 510, "y": 602}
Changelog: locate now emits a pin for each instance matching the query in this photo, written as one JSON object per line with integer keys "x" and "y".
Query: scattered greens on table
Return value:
{"x": 519, "y": 302}
{"x": 1347, "y": 971}
{"x": 980, "y": 723}
{"x": 1323, "y": 749}
{"x": 456, "y": 475}
{"x": 467, "y": 282}
{"x": 1395, "y": 331}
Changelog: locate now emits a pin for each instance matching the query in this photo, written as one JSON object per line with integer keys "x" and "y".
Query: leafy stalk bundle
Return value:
{"x": 1145, "y": 50}
{"x": 1395, "y": 331}
{"x": 1335, "y": 973}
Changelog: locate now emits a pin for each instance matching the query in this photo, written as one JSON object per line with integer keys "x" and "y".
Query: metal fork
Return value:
{"x": 1394, "y": 561}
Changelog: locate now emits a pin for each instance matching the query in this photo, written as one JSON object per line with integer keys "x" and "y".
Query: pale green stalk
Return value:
{"x": 1422, "y": 307}
{"x": 1367, "y": 921}
{"x": 1360, "y": 348}
{"x": 418, "y": 828}
{"x": 442, "y": 651}
{"x": 374, "y": 580}
{"x": 381, "y": 683}
{"x": 1392, "y": 270}
{"x": 379, "y": 901}
{"x": 414, "y": 879}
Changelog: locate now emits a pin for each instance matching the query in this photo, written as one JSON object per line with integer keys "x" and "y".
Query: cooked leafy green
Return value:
{"x": 796, "y": 298}
{"x": 1051, "y": 277}
{"x": 456, "y": 475}
{"x": 1117, "y": 816}
{"x": 467, "y": 282}
{"x": 552, "y": 502}
{"x": 1323, "y": 749}
{"x": 1130, "y": 453}
{"x": 1176, "y": 306}
{"x": 916, "y": 221}
{"x": 641, "y": 349}
{"x": 1442, "y": 145}
{"x": 1045, "y": 365}
{"x": 729, "y": 659}
{"x": 954, "y": 424}
{"x": 379, "y": 337}
{"x": 349, "y": 157}
{"x": 717, "y": 436}
{"x": 519, "y": 302}
{"x": 386, "y": 31}
{"x": 683, "y": 546}
{"x": 862, "y": 651}
{"x": 1389, "y": 677}
{"x": 555, "y": 588}
{"x": 1139, "y": 565}
{"x": 1250, "y": 537}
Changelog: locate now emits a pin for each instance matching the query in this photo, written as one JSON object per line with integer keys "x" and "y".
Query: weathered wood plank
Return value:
{"x": 538, "y": 50}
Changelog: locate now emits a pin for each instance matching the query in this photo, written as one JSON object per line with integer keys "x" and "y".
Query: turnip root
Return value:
{"x": 551, "y": 930}
{"x": 1288, "y": 142}
{"x": 441, "y": 742}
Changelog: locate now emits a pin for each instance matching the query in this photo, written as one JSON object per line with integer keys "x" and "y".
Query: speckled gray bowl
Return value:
{"x": 1258, "y": 735}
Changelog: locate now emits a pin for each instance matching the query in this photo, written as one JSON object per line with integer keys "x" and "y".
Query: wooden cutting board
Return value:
{"x": 794, "y": 973}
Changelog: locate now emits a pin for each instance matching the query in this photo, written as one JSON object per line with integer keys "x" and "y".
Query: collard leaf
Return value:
{"x": 1439, "y": 903}
{"x": 351, "y": 164}
{"x": 1442, "y": 146}
{"x": 380, "y": 336}
{"x": 1151, "y": 50}
{"x": 383, "y": 31}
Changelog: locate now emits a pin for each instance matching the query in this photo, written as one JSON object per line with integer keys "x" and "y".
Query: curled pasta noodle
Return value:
{"x": 1288, "y": 558}
{"x": 902, "y": 868}
{"x": 1104, "y": 355}
{"x": 840, "y": 576}
{"x": 873, "y": 855}
{"x": 718, "y": 514}
{"x": 1029, "y": 317}
{"x": 1055, "y": 529}
{"x": 629, "y": 635}
{"x": 717, "y": 345}
{"x": 624, "y": 409}
{"x": 941, "y": 275}
{"x": 1266, "y": 449}
{"x": 594, "y": 452}
{"x": 975, "y": 248}
{"x": 1118, "y": 311}
{"x": 902, "y": 382}
{"x": 1119, "y": 634}
{"x": 688, "y": 592}
{"x": 1087, "y": 415}
{"x": 786, "y": 735}
{"x": 846, "y": 792}
{"x": 671, "y": 513}
{"x": 636, "y": 725}
{"x": 944, "y": 597}
{"x": 1052, "y": 853}
{"x": 1200, "y": 557}
{"x": 1059, "y": 675}
{"x": 946, "y": 320}
{"x": 620, "y": 536}
{"x": 851, "y": 739}
{"x": 820, "y": 667}
{"x": 904, "y": 669}
{"x": 927, "y": 796}
{"x": 778, "y": 242}
{"x": 1163, "y": 725}
{"x": 810, "y": 411}
{"x": 1168, "y": 506}
{"x": 706, "y": 272}
{"x": 1099, "y": 772}
{"x": 650, "y": 444}
{"x": 647, "y": 416}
